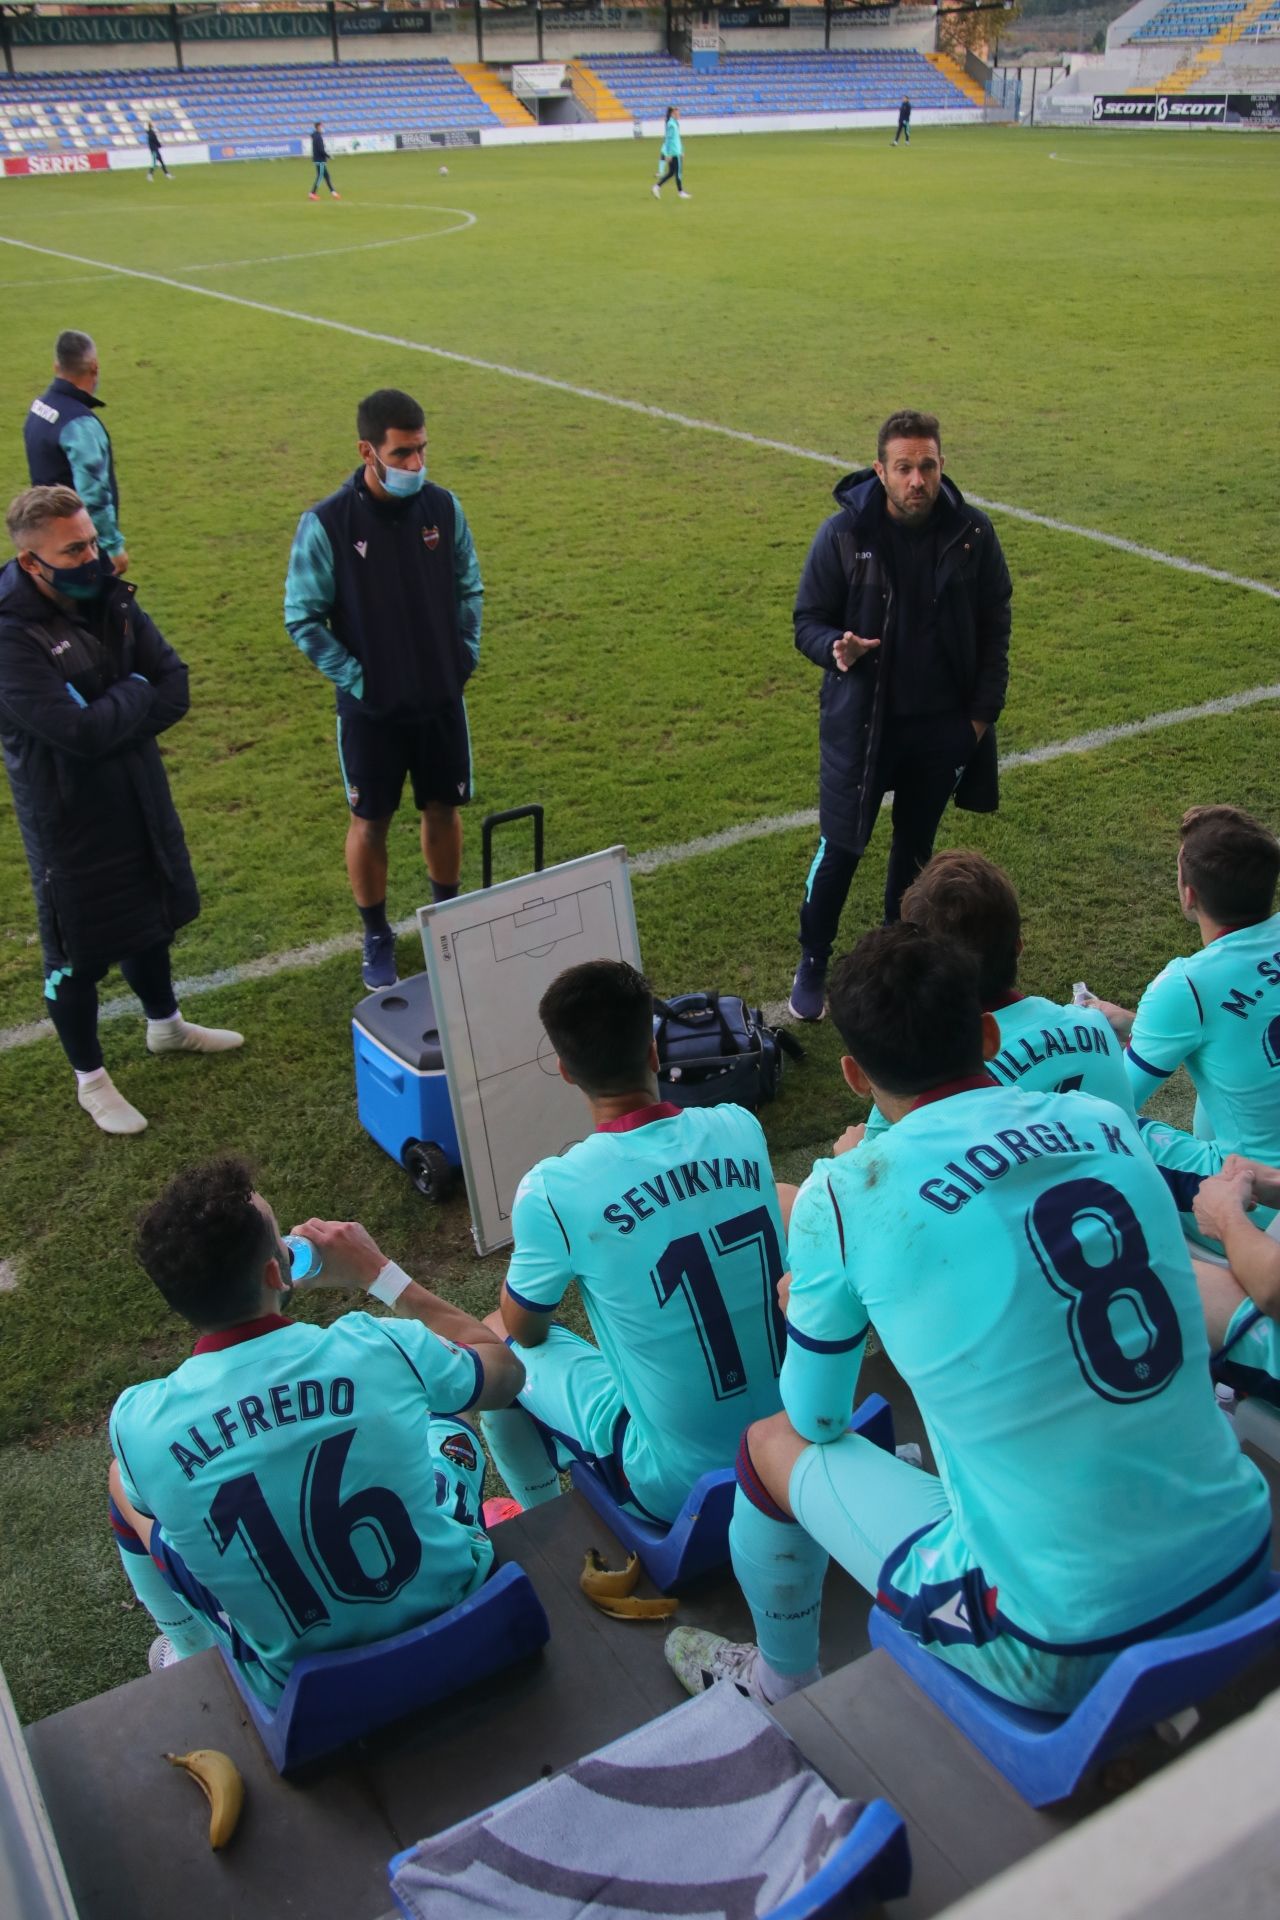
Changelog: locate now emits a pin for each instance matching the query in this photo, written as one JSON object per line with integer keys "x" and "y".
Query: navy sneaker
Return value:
{"x": 808, "y": 989}
{"x": 378, "y": 966}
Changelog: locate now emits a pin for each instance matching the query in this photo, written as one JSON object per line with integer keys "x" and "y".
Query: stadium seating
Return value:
{"x": 331, "y": 1699}
{"x": 697, "y": 1541}
{"x": 248, "y": 106}
{"x": 752, "y": 83}
{"x": 1045, "y": 1755}
{"x": 1190, "y": 20}
{"x": 238, "y": 106}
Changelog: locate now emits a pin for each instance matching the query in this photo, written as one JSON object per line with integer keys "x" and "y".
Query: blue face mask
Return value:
{"x": 398, "y": 483}
{"x": 84, "y": 582}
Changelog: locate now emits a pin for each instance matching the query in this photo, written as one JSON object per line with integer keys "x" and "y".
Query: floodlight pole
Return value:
{"x": 826, "y": 25}
{"x": 537, "y": 21}
{"x": 479, "y": 35}
{"x": 333, "y": 29}
{"x": 5, "y": 41}
{"x": 175, "y": 28}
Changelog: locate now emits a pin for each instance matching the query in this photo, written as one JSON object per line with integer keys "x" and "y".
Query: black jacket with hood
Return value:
{"x": 82, "y": 699}
{"x": 847, "y": 585}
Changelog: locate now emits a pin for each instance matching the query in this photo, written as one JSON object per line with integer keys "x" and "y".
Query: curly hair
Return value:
{"x": 204, "y": 1243}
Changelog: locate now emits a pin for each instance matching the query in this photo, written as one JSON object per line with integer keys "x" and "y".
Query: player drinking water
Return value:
{"x": 669, "y": 1221}
{"x": 671, "y": 159}
{"x": 1022, "y": 1262}
{"x": 293, "y": 1488}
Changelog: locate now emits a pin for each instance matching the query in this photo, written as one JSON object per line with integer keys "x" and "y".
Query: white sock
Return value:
{"x": 777, "y": 1686}
{"x": 95, "y": 1078}
{"x": 172, "y": 1023}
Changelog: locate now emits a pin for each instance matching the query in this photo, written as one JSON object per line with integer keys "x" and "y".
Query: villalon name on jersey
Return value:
{"x": 989, "y": 1161}
{"x": 280, "y": 1406}
{"x": 1054, "y": 1042}
{"x": 685, "y": 1181}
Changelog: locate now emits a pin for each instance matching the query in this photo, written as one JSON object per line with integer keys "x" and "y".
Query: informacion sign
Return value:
{"x": 491, "y": 956}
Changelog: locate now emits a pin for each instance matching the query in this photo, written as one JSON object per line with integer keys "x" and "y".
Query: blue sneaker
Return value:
{"x": 378, "y": 967}
{"x": 808, "y": 989}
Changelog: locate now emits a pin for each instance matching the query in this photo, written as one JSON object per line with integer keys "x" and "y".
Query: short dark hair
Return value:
{"x": 204, "y": 1243}
{"x": 599, "y": 1019}
{"x": 386, "y": 411}
{"x": 906, "y": 1005}
{"x": 1232, "y": 861}
{"x": 74, "y": 350}
{"x": 908, "y": 424}
{"x": 967, "y": 898}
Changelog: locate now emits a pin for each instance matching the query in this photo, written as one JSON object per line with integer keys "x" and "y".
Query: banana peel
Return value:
{"x": 612, "y": 1590}
{"x": 219, "y": 1779}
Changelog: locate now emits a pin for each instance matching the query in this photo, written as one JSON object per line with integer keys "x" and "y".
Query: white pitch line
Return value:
{"x": 641, "y": 407}
{"x": 299, "y": 959}
{"x": 358, "y": 246}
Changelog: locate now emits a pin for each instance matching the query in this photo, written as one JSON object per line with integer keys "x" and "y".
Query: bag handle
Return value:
{"x": 492, "y": 820}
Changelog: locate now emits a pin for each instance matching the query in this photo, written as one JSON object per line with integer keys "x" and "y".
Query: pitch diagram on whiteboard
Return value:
{"x": 490, "y": 957}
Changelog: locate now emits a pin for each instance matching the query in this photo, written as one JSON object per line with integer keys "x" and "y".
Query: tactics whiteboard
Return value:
{"x": 490, "y": 957}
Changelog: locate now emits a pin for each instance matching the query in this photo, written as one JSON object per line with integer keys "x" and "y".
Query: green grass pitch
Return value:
{"x": 1092, "y": 316}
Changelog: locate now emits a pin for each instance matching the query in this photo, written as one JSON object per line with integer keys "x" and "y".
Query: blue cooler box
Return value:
{"x": 402, "y": 1094}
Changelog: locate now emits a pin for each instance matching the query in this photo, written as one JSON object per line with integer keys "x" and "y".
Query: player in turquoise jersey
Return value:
{"x": 293, "y": 1488}
{"x": 1216, "y": 1012}
{"x": 1044, "y": 1048}
{"x": 671, "y": 159}
{"x": 1242, "y": 1301}
{"x": 670, "y": 1223}
{"x": 1023, "y": 1265}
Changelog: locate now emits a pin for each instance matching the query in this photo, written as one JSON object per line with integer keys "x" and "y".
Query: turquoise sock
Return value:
{"x": 187, "y": 1630}
{"x": 520, "y": 1455}
{"x": 780, "y": 1570}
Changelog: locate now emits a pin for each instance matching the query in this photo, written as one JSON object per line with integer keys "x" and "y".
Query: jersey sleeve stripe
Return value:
{"x": 530, "y": 1306}
{"x": 1196, "y": 997}
{"x": 382, "y": 1328}
{"x": 1157, "y": 1073}
{"x": 478, "y": 1364}
{"x": 560, "y": 1223}
{"x": 811, "y": 1345}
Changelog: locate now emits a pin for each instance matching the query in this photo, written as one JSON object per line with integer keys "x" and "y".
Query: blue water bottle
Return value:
{"x": 305, "y": 1259}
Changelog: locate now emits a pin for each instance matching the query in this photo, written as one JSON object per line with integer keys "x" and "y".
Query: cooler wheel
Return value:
{"x": 431, "y": 1172}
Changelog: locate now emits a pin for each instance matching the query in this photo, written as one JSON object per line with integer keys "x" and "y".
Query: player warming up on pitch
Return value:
{"x": 671, "y": 158}
{"x": 670, "y": 1223}
{"x": 384, "y": 595}
{"x": 292, "y": 1488}
{"x": 1022, "y": 1263}
{"x": 1216, "y": 1012}
{"x": 320, "y": 159}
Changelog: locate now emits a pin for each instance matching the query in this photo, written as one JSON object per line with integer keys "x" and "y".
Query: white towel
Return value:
{"x": 709, "y": 1810}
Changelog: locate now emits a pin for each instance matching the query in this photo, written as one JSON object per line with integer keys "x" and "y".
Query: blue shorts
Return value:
{"x": 870, "y": 1511}
{"x": 1251, "y": 1353}
{"x": 376, "y": 756}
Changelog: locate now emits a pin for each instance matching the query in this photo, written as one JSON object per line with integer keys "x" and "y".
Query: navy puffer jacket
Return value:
{"x": 847, "y": 585}
{"x": 82, "y": 700}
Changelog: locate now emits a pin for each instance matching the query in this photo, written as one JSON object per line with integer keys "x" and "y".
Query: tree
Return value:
{"x": 974, "y": 26}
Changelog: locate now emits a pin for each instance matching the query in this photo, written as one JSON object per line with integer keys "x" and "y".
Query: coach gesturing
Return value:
{"x": 905, "y": 604}
{"x": 384, "y": 596}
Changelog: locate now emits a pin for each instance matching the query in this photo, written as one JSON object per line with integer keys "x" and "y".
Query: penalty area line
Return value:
{"x": 644, "y": 409}
{"x": 299, "y": 959}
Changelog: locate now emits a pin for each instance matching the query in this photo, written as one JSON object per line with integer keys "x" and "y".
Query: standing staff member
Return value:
{"x": 384, "y": 596}
{"x": 157, "y": 158}
{"x": 320, "y": 154}
{"x": 905, "y": 604}
{"x": 68, "y": 446}
{"x": 904, "y": 123}
{"x": 87, "y": 683}
{"x": 671, "y": 159}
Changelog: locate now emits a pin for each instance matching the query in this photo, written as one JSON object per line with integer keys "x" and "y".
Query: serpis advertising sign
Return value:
{"x": 57, "y": 163}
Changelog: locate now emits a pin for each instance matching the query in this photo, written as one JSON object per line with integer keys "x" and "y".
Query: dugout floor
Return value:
{"x": 133, "y": 1831}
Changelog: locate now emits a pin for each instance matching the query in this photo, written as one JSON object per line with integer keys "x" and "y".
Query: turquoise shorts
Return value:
{"x": 869, "y": 1510}
{"x": 1251, "y": 1354}
{"x": 571, "y": 1392}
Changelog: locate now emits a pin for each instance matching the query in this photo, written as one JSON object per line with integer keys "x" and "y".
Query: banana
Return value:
{"x": 219, "y": 1779}
{"x": 600, "y": 1582}
{"x": 630, "y": 1606}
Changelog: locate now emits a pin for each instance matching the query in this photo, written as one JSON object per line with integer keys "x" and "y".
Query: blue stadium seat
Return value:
{"x": 871, "y": 1865}
{"x": 697, "y": 1541}
{"x": 331, "y": 1699}
{"x": 1046, "y": 1756}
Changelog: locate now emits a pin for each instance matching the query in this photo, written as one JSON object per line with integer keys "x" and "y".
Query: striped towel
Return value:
{"x": 709, "y": 1810}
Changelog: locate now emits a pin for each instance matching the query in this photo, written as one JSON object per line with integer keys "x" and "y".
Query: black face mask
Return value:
{"x": 84, "y": 582}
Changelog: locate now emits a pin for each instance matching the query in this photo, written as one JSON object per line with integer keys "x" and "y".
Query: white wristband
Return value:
{"x": 390, "y": 1284}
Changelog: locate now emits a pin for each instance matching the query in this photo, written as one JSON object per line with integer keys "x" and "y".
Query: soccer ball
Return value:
{"x": 444, "y": 169}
